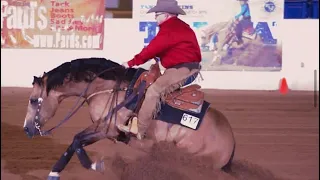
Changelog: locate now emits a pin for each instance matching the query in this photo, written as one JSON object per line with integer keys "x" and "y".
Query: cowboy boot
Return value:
{"x": 132, "y": 127}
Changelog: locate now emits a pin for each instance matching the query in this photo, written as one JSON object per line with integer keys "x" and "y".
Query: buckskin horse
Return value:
{"x": 185, "y": 118}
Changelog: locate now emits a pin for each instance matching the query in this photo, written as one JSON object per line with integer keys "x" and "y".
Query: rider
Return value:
{"x": 177, "y": 47}
{"x": 243, "y": 19}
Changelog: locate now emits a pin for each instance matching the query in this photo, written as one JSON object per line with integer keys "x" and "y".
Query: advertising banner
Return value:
{"x": 233, "y": 35}
{"x": 52, "y": 24}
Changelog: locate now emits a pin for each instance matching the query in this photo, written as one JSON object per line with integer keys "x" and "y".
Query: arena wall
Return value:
{"x": 300, "y": 58}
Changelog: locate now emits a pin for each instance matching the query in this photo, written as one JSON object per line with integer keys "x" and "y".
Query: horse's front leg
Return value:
{"x": 84, "y": 138}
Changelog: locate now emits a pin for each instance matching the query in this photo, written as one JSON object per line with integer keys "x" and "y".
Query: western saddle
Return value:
{"x": 188, "y": 98}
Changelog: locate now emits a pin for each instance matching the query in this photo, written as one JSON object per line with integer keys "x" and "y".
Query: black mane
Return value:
{"x": 85, "y": 69}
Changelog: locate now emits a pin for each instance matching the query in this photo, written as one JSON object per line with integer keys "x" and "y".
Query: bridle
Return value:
{"x": 37, "y": 116}
{"x": 76, "y": 107}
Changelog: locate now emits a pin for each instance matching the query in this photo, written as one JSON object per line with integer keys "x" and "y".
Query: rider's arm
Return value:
{"x": 158, "y": 44}
{"x": 244, "y": 8}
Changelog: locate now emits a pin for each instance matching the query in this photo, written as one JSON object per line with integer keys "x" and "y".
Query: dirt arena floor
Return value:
{"x": 277, "y": 138}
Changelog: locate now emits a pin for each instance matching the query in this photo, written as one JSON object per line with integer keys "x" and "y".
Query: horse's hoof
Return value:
{"x": 53, "y": 176}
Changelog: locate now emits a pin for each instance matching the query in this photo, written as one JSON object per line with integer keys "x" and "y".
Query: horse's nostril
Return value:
{"x": 26, "y": 129}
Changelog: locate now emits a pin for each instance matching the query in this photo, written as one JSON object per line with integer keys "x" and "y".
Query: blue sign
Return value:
{"x": 151, "y": 27}
{"x": 262, "y": 29}
{"x": 265, "y": 33}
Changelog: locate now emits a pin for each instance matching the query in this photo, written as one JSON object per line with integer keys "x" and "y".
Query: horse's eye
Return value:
{"x": 34, "y": 101}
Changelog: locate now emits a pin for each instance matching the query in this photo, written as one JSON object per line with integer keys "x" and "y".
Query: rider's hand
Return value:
{"x": 125, "y": 64}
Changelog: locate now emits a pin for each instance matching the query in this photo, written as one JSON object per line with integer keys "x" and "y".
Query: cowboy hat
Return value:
{"x": 169, "y": 6}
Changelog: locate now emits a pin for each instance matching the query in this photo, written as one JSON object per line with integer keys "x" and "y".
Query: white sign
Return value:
{"x": 189, "y": 121}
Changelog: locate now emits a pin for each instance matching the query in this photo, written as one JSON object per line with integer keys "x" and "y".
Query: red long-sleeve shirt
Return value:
{"x": 174, "y": 44}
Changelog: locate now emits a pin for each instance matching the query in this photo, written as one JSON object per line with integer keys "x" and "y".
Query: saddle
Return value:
{"x": 149, "y": 76}
{"x": 188, "y": 98}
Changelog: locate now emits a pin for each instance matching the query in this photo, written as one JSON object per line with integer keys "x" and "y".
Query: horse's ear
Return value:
{"x": 44, "y": 73}
{"x": 36, "y": 80}
{"x": 44, "y": 79}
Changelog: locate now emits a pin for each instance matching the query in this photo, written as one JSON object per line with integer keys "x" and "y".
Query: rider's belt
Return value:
{"x": 189, "y": 65}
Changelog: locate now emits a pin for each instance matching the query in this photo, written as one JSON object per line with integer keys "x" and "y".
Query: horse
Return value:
{"x": 224, "y": 39}
{"x": 111, "y": 91}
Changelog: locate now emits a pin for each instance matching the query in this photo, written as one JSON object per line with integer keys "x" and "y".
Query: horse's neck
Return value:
{"x": 84, "y": 89}
{"x": 100, "y": 104}
{"x": 101, "y": 97}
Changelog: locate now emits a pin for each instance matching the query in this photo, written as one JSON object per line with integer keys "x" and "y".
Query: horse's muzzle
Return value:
{"x": 29, "y": 133}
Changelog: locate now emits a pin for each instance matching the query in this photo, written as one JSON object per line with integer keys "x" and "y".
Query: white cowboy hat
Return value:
{"x": 169, "y": 6}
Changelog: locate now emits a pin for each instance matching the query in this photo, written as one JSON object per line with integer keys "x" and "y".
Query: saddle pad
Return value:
{"x": 187, "y": 119}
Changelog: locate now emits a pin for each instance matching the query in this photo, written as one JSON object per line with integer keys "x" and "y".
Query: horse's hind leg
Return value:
{"x": 227, "y": 168}
{"x": 84, "y": 138}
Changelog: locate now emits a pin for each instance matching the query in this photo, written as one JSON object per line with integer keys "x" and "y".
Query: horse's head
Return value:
{"x": 41, "y": 107}
{"x": 70, "y": 79}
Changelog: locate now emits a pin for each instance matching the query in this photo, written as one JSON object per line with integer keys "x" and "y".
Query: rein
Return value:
{"x": 76, "y": 107}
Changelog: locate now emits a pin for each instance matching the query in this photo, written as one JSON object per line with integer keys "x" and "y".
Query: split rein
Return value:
{"x": 76, "y": 107}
